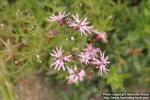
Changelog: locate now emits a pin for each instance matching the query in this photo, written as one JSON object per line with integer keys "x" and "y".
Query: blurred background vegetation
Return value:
{"x": 25, "y": 48}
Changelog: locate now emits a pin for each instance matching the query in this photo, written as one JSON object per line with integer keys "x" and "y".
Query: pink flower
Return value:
{"x": 58, "y": 18}
{"x": 88, "y": 54}
{"x": 81, "y": 25}
{"x": 54, "y": 32}
{"x": 60, "y": 60}
{"x": 75, "y": 75}
{"x": 101, "y": 63}
{"x": 101, "y": 36}
{"x": 85, "y": 57}
{"x": 92, "y": 50}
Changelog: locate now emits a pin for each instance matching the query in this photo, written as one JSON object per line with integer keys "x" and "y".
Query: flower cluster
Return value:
{"x": 92, "y": 55}
{"x": 87, "y": 56}
{"x": 81, "y": 25}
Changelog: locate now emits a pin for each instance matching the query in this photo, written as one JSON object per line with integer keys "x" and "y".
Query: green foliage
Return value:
{"x": 25, "y": 43}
